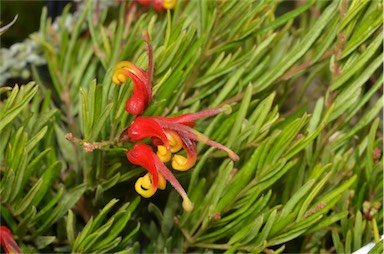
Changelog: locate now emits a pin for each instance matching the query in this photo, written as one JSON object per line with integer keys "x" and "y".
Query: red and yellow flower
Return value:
{"x": 142, "y": 81}
{"x": 171, "y": 134}
{"x": 143, "y": 155}
{"x": 159, "y": 5}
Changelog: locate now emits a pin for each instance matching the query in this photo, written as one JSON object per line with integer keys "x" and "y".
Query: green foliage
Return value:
{"x": 304, "y": 91}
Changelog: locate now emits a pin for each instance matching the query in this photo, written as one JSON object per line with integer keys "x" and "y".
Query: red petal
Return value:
{"x": 145, "y": 2}
{"x": 142, "y": 81}
{"x": 143, "y": 127}
{"x": 158, "y": 5}
{"x": 142, "y": 155}
{"x": 141, "y": 96}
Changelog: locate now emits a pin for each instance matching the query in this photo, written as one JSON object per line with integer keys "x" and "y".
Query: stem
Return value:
{"x": 68, "y": 112}
{"x": 340, "y": 41}
{"x": 212, "y": 246}
{"x": 71, "y": 123}
{"x": 89, "y": 147}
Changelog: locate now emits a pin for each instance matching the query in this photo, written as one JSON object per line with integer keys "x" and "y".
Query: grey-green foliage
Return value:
{"x": 303, "y": 87}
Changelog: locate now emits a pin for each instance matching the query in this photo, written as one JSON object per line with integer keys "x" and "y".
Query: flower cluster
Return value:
{"x": 174, "y": 137}
{"x": 159, "y": 5}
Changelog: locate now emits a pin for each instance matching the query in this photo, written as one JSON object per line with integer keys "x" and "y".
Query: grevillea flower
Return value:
{"x": 143, "y": 155}
{"x": 171, "y": 134}
{"x": 7, "y": 241}
{"x": 159, "y": 5}
{"x": 142, "y": 81}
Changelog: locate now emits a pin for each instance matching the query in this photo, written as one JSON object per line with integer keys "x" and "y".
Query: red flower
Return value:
{"x": 143, "y": 155}
{"x": 170, "y": 134}
{"x": 142, "y": 81}
{"x": 145, "y": 2}
{"x": 159, "y": 5}
{"x": 6, "y": 240}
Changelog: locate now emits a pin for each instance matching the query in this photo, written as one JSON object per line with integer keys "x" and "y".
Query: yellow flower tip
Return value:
{"x": 169, "y": 4}
{"x": 163, "y": 153}
{"x": 187, "y": 204}
{"x": 179, "y": 163}
{"x": 119, "y": 74}
{"x": 162, "y": 182}
{"x": 123, "y": 64}
{"x": 122, "y": 78}
{"x": 146, "y": 181}
{"x": 174, "y": 141}
{"x": 141, "y": 187}
{"x": 119, "y": 78}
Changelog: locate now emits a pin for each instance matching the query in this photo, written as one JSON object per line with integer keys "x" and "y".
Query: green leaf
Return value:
{"x": 248, "y": 232}
{"x": 10, "y": 110}
{"x": 36, "y": 139}
{"x": 266, "y": 229}
{"x": 238, "y": 182}
{"x": 70, "y": 227}
{"x": 298, "y": 51}
{"x": 312, "y": 195}
{"x": 370, "y": 148}
{"x": 85, "y": 113}
{"x": 100, "y": 122}
{"x": 115, "y": 231}
{"x": 6, "y": 186}
{"x": 48, "y": 177}
{"x": 241, "y": 114}
{"x": 92, "y": 238}
{"x": 26, "y": 201}
{"x": 357, "y": 231}
{"x": 365, "y": 119}
{"x": 337, "y": 243}
{"x": 103, "y": 213}
{"x": 25, "y": 223}
{"x": 229, "y": 86}
{"x": 83, "y": 234}
{"x": 43, "y": 241}
{"x": 291, "y": 204}
{"x": 359, "y": 63}
{"x": 66, "y": 147}
{"x": 370, "y": 23}
{"x": 337, "y": 191}
{"x": 330, "y": 220}
{"x": 48, "y": 206}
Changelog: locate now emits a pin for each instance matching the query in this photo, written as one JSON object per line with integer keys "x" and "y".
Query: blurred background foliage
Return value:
{"x": 304, "y": 80}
